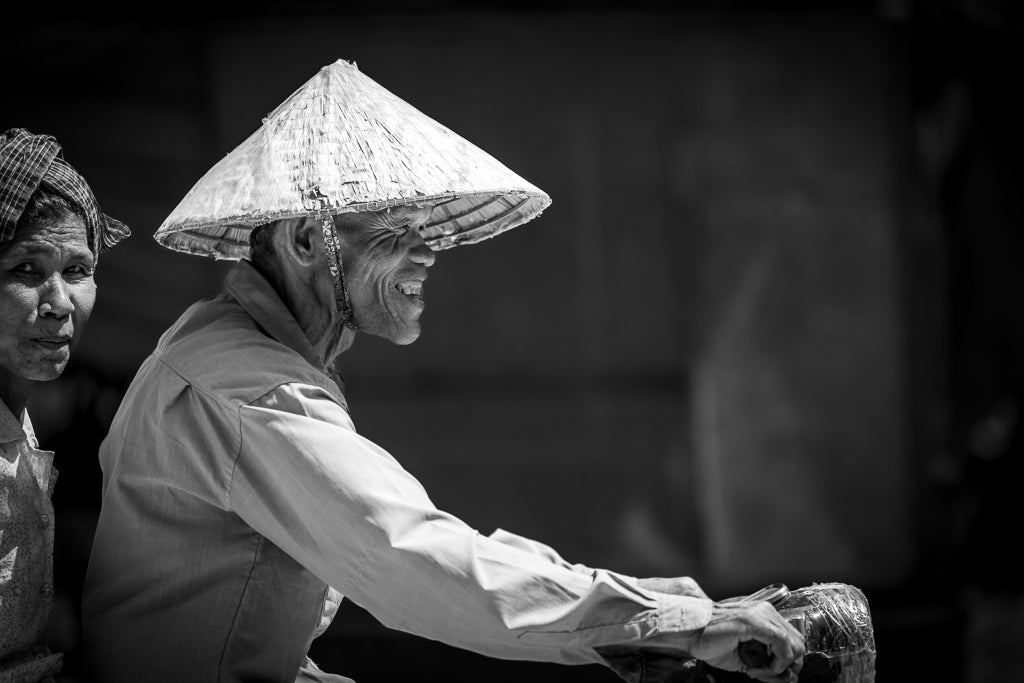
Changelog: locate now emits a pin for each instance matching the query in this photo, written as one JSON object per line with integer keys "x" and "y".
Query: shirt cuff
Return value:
{"x": 682, "y": 613}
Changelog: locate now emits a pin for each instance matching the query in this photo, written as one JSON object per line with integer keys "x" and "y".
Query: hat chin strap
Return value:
{"x": 341, "y": 299}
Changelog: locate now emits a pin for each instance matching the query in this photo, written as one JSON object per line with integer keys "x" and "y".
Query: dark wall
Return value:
{"x": 766, "y": 331}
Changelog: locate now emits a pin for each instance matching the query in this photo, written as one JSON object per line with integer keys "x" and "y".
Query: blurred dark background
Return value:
{"x": 769, "y": 330}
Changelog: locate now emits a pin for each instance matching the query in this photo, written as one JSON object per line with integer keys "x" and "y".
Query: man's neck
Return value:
{"x": 314, "y": 310}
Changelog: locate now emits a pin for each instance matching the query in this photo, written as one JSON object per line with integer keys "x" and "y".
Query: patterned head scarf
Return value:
{"x": 29, "y": 162}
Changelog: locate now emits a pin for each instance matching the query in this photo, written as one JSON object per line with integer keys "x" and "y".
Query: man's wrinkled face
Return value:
{"x": 385, "y": 261}
{"x": 47, "y": 292}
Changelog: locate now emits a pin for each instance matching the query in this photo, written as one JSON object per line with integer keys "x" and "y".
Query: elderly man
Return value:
{"x": 51, "y": 234}
{"x": 239, "y": 502}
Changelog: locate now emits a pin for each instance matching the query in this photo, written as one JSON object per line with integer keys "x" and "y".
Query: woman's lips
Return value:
{"x": 53, "y": 343}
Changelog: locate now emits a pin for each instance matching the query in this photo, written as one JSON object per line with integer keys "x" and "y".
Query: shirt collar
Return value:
{"x": 259, "y": 299}
{"x": 11, "y": 428}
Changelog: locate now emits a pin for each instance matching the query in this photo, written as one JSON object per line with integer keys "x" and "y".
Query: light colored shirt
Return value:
{"x": 236, "y": 491}
{"x": 27, "y": 477}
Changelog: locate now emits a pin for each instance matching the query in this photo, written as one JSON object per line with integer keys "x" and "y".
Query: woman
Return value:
{"x": 51, "y": 234}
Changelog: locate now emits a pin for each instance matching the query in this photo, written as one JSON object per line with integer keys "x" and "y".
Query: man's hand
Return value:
{"x": 737, "y": 621}
{"x": 681, "y": 585}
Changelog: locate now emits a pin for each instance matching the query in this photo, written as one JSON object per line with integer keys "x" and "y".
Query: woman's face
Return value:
{"x": 47, "y": 292}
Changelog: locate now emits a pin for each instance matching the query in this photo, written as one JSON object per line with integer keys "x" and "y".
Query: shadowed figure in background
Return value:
{"x": 51, "y": 234}
{"x": 240, "y": 504}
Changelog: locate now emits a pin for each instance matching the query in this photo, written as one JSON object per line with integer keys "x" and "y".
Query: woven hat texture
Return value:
{"x": 344, "y": 143}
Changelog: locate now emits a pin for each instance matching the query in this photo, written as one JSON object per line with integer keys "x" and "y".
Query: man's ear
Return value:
{"x": 301, "y": 238}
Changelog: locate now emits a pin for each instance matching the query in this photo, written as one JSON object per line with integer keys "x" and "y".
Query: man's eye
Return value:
{"x": 24, "y": 269}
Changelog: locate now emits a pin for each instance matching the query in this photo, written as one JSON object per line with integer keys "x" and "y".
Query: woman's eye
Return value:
{"x": 77, "y": 272}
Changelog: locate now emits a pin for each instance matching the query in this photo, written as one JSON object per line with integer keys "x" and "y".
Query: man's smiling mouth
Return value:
{"x": 411, "y": 288}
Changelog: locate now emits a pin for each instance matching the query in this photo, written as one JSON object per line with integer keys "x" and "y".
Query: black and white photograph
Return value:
{"x": 539, "y": 340}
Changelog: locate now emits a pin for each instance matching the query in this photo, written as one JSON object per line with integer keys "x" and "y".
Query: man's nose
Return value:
{"x": 419, "y": 251}
{"x": 55, "y": 301}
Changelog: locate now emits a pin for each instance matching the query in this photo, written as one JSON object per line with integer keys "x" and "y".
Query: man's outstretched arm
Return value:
{"x": 346, "y": 510}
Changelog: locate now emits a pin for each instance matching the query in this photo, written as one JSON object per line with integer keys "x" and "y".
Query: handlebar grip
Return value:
{"x": 754, "y": 654}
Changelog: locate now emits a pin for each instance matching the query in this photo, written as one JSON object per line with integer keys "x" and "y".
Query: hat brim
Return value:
{"x": 454, "y": 220}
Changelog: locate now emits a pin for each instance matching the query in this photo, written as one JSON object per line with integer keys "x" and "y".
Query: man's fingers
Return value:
{"x": 785, "y": 651}
{"x": 739, "y": 630}
{"x": 785, "y": 647}
{"x": 789, "y": 652}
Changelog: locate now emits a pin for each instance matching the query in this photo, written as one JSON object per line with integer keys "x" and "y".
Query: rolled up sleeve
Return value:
{"x": 347, "y": 511}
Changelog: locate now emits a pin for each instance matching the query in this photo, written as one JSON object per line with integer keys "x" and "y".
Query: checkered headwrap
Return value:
{"x": 28, "y": 162}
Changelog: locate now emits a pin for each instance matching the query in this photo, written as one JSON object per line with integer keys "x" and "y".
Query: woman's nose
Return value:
{"x": 55, "y": 301}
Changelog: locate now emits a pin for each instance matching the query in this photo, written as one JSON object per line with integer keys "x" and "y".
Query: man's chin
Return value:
{"x": 402, "y": 336}
{"x": 407, "y": 336}
{"x": 397, "y": 329}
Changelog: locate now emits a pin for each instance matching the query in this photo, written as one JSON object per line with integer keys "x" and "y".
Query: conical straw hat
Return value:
{"x": 342, "y": 142}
